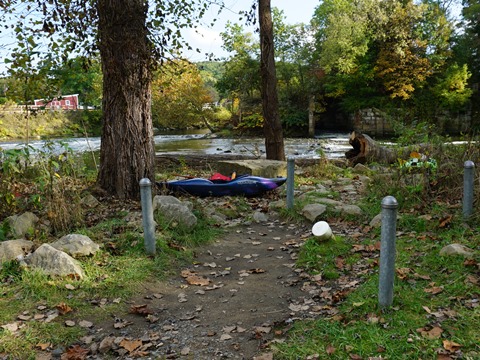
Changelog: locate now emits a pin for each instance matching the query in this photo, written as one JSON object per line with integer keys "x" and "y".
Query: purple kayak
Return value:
{"x": 246, "y": 185}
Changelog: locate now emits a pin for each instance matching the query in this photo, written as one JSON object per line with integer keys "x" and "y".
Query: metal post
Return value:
{"x": 147, "y": 215}
{"x": 387, "y": 251}
{"x": 290, "y": 181}
{"x": 468, "y": 179}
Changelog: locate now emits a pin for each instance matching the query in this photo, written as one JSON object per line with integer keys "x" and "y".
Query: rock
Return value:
{"x": 76, "y": 245}
{"x": 349, "y": 209}
{"x": 457, "y": 249}
{"x": 277, "y": 205}
{"x": 160, "y": 200}
{"x": 11, "y": 249}
{"x": 259, "y": 167}
{"x": 376, "y": 221}
{"x": 55, "y": 262}
{"x": 260, "y": 217}
{"x": 172, "y": 209}
{"x": 90, "y": 201}
{"x": 178, "y": 213}
{"x": 21, "y": 225}
{"x": 327, "y": 201}
{"x": 313, "y": 211}
{"x": 360, "y": 169}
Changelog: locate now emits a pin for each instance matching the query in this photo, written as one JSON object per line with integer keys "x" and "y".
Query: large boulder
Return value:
{"x": 55, "y": 262}
{"x": 76, "y": 245}
{"x": 173, "y": 210}
{"x": 12, "y": 249}
{"x": 457, "y": 249}
{"x": 21, "y": 225}
{"x": 257, "y": 167}
{"x": 313, "y": 211}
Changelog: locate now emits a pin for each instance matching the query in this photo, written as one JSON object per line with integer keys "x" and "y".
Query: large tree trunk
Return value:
{"x": 127, "y": 147}
{"x": 272, "y": 127}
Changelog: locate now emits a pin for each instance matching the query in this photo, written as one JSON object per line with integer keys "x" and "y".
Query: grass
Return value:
{"x": 435, "y": 311}
{"x": 113, "y": 274}
{"x": 404, "y": 330}
{"x": 430, "y": 293}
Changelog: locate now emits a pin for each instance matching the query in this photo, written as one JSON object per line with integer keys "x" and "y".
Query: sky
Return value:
{"x": 208, "y": 40}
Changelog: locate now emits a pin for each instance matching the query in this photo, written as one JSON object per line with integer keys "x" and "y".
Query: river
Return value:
{"x": 332, "y": 145}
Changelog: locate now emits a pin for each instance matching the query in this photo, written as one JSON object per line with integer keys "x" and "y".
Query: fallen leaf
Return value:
{"x": 43, "y": 346}
{"x": 256, "y": 271}
{"x": 339, "y": 262}
{"x": 76, "y": 352}
{"x": 472, "y": 279}
{"x": 451, "y": 346}
{"x": 130, "y": 345}
{"x": 433, "y": 333}
{"x": 402, "y": 273}
{"x": 70, "y": 287}
{"x": 225, "y": 337}
{"x": 63, "y": 308}
{"x": 197, "y": 280}
{"x": 140, "y": 310}
{"x": 330, "y": 349}
{"x": 445, "y": 221}
{"x": 434, "y": 290}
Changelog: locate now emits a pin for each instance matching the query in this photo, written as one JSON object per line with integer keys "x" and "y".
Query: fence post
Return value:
{"x": 290, "y": 181}
{"x": 147, "y": 215}
{"x": 468, "y": 180}
{"x": 387, "y": 251}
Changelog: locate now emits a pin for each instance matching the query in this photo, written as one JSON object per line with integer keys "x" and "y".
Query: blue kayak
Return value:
{"x": 246, "y": 185}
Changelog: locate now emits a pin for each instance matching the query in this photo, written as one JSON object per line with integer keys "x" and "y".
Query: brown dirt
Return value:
{"x": 245, "y": 304}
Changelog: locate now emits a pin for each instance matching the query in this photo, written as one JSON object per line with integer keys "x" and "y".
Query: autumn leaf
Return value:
{"x": 402, "y": 273}
{"x": 433, "y": 333}
{"x": 339, "y": 262}
{"x": 255, "y": 271}
{"x": 63, "y": 308}
{"x": 434, "y": 290}
{"x": 445, "y": 221}
{"x": 197, "y": 280}
{"x": 451, "y": 346}
{"x": 43, "y": 346}
{"x": 140, "y": 310}
{"x": 130, "y": 345}
{"x": 76, "y": 352}
{"x": 330, "y": 350}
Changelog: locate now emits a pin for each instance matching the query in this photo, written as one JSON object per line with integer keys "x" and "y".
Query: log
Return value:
{"x": 366, "y": 150}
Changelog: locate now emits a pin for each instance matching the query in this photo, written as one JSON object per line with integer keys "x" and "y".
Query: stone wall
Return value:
{"x": 372, "y": 121}
{"x": 375, "y": 123}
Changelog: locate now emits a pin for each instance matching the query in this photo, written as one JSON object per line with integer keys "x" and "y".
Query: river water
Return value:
{"x": 332, "y": 145}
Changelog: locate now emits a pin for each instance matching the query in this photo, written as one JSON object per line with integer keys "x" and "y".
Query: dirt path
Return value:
{"x": 228, "y": 304}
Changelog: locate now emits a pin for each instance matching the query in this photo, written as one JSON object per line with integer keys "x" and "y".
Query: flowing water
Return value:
{"x": 332, "y": 145}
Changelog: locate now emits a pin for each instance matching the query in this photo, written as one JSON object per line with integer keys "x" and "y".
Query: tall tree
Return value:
{"x": 132, "y": 35}
{"x": 272, "y": 127}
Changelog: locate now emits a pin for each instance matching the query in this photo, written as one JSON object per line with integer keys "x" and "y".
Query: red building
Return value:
{"x": 66, "y": 102}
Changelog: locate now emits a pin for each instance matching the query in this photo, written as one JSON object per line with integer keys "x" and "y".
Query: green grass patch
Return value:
{"x": 112, "y": 276}
{"x": 435, "y": 302}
